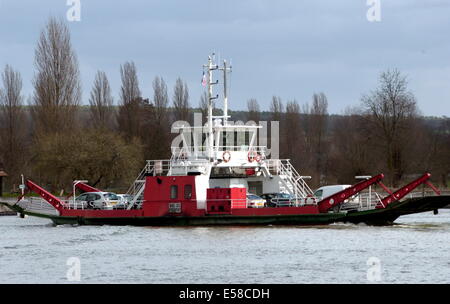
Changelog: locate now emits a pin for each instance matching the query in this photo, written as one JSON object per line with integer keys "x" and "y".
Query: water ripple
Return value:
{"x": 415, "y": 250}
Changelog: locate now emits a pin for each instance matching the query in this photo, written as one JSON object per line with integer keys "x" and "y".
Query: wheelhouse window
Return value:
{"x": 173, "y": 192}
{"x": 187, "y": 191}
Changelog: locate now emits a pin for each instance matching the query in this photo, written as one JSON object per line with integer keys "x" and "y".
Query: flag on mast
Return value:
{"x": 204, "y": 79}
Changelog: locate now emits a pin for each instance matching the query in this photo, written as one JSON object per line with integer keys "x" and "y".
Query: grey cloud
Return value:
{"x": 287, "y": 48}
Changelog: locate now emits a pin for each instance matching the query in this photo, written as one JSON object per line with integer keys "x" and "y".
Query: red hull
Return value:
{"x": 159, "y": 210}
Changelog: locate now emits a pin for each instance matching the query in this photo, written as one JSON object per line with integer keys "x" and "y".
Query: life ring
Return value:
{"x": 250, "y": 157}
{"x": 258, "y": 157}
{"x": 253, "y": 155}
{"x": 226, "y": 156}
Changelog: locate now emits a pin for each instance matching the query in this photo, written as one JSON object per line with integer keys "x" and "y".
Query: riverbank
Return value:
{"x": 5, "y": 211}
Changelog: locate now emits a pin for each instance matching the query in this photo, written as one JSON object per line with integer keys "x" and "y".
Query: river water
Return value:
{"x": 415, "y": 250}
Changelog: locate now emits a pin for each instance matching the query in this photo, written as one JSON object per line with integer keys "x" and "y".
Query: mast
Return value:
{"x": 211, "y": 67}
{"x": 225, "y": 70}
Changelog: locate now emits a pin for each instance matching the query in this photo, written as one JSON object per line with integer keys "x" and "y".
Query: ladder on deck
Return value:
{"x": 136, "y": 190}
{"x": 292, "y": 180}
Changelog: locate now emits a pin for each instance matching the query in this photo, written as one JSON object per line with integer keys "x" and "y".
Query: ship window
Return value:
{"x": 187, "y": 191}
{"x": 174, "y": 192}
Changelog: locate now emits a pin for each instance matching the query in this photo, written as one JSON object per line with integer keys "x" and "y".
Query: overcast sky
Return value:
{"x": 291, "y": 49}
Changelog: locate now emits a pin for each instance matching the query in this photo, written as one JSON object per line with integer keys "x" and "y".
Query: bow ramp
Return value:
{"x": 47, "y": 196}
{"x": 402, "y": 192}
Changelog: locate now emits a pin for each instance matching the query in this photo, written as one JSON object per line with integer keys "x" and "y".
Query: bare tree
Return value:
{"x": 130, "y": 83}
{"x": 316, "y": 137}
{"x": 277, "y": 115}
{"x": 445, "y": 152}
{"x": 253, "y": 113}
{"x": 160, "y": 99}
{"x": 435, "y": 150}
{"x": 319, "y": 104}
{"x": 181, "y": 100}
{"x": 129, "y": 115}
{"x": 101, "y": 102}
{"x": 57, "y": 89}
{"x": 276, "y": 108}
{"x": 390, "y": 110}
{"x": 351, "y": 149}
{"x": 12, "y": 131}
{"x": 158, "y": 143}
{"x": 293, "y": 134}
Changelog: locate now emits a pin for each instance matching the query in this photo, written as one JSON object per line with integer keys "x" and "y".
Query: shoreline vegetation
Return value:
{"x": 54, "y": 137}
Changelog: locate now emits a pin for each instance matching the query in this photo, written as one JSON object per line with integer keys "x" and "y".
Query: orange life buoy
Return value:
{"x": 226, "y": 156}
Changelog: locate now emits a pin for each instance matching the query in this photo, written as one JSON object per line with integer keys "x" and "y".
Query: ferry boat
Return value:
{"x": 208, "y": 179}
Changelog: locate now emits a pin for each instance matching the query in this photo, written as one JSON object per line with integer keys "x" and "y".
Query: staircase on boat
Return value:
{"x": 136, "y": 190}
{"x": 290, "y": 180}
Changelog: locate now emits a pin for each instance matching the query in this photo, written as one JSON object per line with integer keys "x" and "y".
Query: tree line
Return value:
{"x": 54, "y": 139}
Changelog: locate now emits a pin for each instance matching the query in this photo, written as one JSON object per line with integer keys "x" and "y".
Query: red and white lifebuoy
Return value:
{"x": 258, "y": 157}
{"x": 253, "y": 155}
{"x": 226, "y": 156}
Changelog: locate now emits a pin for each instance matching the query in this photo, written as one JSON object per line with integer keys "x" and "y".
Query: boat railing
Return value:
{"x": 262, "y": 150}
{"x": 38, "y": 205}
{"x": 157, "y": 167}
{"x": 420, "y": 194}
{"x": 246, "y": 203}
{"x": 70, "y": 204}
{"x": 363, "y": 201}
{"x": 240, "y": 148}
{"x": 369, "y": 200}
{"x": 83, "y": 206}
{"x": 376, "y": 197}
{"x": 201, "y": 152}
